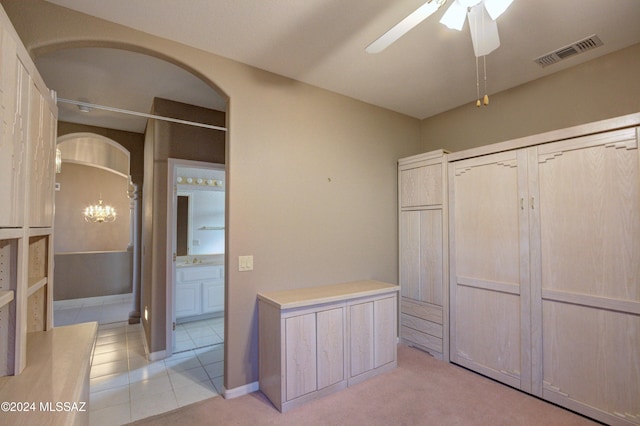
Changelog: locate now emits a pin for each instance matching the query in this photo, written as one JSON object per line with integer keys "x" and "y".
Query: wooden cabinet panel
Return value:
{"x": 598, "y": 183}
{"x": 330, "y": 339}
{"x": 591, "y": 360}
{"x": 487, "y": 229}
{"x": 361, "y": 331}
{"x": 421, "y": 255}
{"x": 13, "y": 144}
{"x": 300, "y": 357}
{"x": 42, "y": 160}
{"x": 384, "y": 336}
{"x": 421, "y": 186}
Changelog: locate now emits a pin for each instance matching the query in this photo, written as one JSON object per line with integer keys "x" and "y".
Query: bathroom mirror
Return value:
{"x": 200, "y": 221}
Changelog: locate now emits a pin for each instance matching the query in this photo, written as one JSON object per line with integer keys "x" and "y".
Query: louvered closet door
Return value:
{"x": 489, "y": 291}
{"x": 589, "y": 261}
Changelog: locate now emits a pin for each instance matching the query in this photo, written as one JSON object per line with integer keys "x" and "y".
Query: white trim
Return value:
{"x": 241, "y": 390}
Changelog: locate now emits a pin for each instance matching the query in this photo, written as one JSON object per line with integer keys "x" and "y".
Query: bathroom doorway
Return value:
{"x": 196, "y": 255}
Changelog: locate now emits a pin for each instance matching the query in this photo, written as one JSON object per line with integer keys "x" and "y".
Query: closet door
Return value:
{"x": 489, "y": 287}
{"x": 587, "y": 249}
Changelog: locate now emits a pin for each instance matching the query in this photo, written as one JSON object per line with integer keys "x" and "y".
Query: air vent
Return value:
{"x": 580, "y": 46}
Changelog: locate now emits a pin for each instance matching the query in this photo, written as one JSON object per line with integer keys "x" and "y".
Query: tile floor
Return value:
{"x": 197, "y": 334}
{"x": 124, "y": 385}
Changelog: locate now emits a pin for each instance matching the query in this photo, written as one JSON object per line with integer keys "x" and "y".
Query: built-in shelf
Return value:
{"x": 6, "y": 296}
{"x": 39, "y": 232}
{"x": 11, "y": 233}
{"x": 36, "y": 284}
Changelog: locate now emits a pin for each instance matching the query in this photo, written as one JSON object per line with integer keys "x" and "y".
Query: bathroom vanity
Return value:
{"x": 199, "y": 287}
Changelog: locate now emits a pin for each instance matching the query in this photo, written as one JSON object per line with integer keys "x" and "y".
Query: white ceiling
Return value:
{"x": 321, "y": 42}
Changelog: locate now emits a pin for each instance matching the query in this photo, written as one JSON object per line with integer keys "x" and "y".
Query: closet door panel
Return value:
{"x": 431, "y": 256}
{"x": 421, "y": 255}
{"x": 488, "y": 333}
{"x": 591, "y": 360}
{"x": 589, "y": 221}
{"x": 490, "y": 303}
{"x": 410, "y": 276}
{"x": 486, "y": 219}
{"x": 589, "y": 216}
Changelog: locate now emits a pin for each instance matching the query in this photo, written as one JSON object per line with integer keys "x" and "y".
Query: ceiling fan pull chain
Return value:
{"x": 477, "y": 84}
{"x": 486, "y": 96}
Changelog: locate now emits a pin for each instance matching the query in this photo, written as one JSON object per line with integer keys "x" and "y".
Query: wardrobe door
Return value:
{"x": 589, "y": 262}
{"x": 489, "y": 287}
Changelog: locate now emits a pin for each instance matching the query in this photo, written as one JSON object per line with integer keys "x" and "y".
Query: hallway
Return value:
{"x": 124, "y": 385}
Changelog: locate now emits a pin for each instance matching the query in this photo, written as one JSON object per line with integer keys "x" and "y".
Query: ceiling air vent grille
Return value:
{"x": 580, "y": 46}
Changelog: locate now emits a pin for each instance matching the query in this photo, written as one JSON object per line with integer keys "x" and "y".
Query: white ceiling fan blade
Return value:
{"x": 404, "y": 26}
{"x": 496, "y": 7}
{"x": 454, "y": 16}
{"x": 484, "y": 31}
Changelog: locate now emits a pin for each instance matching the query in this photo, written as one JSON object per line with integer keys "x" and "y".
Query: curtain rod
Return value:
{"x": 140, "y": 114}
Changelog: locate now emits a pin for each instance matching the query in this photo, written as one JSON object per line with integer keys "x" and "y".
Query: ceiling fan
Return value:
{"x": 482, "y": 23}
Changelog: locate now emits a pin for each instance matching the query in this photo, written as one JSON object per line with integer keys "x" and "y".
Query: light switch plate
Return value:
{"x": 245, "y": 263}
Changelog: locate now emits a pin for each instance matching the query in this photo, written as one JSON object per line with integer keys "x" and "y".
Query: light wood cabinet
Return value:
{"x": 28, "y": 118}
{"x": 423, "y": 250}
{"x": 545, "y": 271}
{"x": 318, "y": 340}
{"x": 372, "y": 336}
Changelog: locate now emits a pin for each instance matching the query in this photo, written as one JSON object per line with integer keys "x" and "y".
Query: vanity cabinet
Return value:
{"x": 199, "y": 290}
{"x": 318, "y": 340}
{"x": 423, "y": 266}
{"x": 545, "y": 269}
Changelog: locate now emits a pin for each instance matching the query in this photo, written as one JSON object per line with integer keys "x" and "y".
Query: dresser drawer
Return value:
{"x": 422, "y": 310}
{"x": 422, "y": 339}
{"x": 421, "y": 325}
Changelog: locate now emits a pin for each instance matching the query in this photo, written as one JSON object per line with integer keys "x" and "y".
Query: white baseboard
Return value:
{"x": 241, "y": 390}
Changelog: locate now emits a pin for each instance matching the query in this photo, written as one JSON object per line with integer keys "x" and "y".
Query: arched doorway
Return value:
{"x": 95, "y": 269}
{"x": 91, "y": 74}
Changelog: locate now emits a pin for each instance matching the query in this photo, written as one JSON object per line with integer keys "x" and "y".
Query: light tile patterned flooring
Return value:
{"x": 125, "y": 386}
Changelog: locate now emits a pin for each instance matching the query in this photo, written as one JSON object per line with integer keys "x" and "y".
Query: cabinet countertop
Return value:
{"x": 300, "y": 297}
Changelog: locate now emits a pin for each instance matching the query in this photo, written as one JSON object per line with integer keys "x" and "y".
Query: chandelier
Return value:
{"x": 99, "y": 213}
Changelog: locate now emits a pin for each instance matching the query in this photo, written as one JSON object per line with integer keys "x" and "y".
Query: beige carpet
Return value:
{"x": 421, "y": 391}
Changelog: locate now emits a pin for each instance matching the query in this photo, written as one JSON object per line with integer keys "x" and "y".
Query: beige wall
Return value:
{"x": 311, "y": 174}
{"x": 602, "y": 88}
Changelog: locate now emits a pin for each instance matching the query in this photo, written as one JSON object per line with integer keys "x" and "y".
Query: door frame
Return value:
{"x": 172, "y": 191}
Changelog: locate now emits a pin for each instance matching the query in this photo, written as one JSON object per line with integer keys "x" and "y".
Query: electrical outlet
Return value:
{"x": 245, "y": 263}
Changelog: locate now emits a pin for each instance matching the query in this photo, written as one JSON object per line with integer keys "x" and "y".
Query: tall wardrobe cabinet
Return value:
{"x": 422, "y": 199}
{"x": 545, "y": 268}
{"x": 28, "y": 117}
